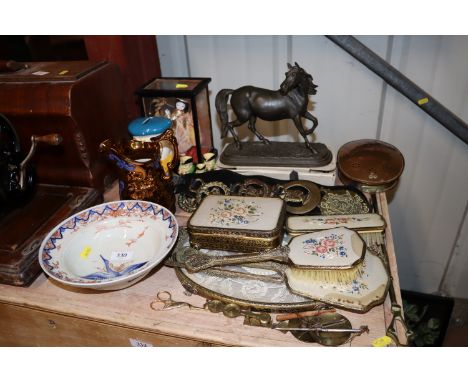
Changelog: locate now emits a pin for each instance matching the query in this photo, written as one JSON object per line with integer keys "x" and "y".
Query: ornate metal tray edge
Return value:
{"x": 197, "y": 289}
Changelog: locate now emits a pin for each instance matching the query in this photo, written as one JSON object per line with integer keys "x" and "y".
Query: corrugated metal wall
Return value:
{"x": 429, "y": 209}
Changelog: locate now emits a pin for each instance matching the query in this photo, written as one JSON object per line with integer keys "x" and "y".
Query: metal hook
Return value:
{"x": 392, "y": 330}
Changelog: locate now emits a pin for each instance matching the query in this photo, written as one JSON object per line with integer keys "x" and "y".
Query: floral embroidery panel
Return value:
{"x": 329, "y": 247}
{"x": 231, "y": 211}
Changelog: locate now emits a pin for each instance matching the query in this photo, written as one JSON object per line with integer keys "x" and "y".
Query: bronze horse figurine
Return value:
{"x": 289, "y": 102}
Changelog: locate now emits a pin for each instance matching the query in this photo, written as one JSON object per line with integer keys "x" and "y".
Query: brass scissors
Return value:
{"x": 164, "y": 301}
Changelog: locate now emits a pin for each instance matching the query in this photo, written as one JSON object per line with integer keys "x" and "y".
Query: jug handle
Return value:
{"x": 170, "y": 137}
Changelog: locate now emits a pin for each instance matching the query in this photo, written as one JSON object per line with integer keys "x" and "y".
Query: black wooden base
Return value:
{"x": 276, "y": 154}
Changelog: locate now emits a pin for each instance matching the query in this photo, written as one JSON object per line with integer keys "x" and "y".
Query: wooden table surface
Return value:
{"x": 130, "y": 308}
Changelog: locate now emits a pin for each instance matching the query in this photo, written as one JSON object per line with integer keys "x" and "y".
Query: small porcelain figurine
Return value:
{"x": 183, "y": 125}
{"x": 186, "y": 165}
{"x": 201, "y": 168}
{"x": 209, "y": 159}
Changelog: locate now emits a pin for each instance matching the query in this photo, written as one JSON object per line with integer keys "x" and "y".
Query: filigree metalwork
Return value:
{"x": 301, "y": 196}
{"x": 253, "y": 187}
{"x": 198, "y": 190}
{"x": 342, "y": 203}
{"x": 197, "y": 261}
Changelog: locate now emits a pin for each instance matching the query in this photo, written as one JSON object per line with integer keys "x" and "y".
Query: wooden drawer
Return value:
{"x": 21, "y": 326}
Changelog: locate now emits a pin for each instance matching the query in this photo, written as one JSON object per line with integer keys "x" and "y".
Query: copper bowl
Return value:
{"x": 370, "y": 164}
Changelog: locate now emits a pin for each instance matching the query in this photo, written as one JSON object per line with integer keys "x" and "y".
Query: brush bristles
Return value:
{"x": 372, "y": 238}
{"x": 334, "y": 276}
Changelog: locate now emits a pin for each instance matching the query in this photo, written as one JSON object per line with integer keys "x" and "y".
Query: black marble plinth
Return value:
{"x": 276, "y": 154}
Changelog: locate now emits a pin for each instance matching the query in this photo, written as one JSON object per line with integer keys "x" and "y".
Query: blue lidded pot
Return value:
{"x": 145, "y": 128}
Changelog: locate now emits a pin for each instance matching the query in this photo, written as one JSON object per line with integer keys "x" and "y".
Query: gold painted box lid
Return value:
{"x": 237, "y": 223}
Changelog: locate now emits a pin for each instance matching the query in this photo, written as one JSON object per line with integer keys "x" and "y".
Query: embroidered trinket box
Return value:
{"x": 237, "y": 223}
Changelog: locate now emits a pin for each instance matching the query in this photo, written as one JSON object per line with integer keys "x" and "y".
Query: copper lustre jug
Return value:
{"x": 146, "y": 161}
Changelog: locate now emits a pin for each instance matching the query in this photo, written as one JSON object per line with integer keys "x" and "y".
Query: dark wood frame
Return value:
{"x": 186, "y": 94}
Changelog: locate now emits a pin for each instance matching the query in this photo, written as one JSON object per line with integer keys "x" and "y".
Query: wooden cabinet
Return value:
{"x": 43, "y": 328}
{"x": 83, "y": 101}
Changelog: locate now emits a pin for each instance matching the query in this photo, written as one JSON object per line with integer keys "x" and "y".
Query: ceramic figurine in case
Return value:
{"x": 146, "y": 162}
{"x": 237, "y": 223}
{"x": 186, "y": 102}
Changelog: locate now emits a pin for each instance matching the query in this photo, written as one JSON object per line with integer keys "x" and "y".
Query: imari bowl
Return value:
{"x": 109, "y": 246}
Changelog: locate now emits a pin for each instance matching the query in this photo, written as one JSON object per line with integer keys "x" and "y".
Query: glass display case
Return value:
{"x": 186, "y": 102}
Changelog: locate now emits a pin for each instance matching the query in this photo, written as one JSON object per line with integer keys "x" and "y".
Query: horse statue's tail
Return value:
{"x": 221, "y": 107}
